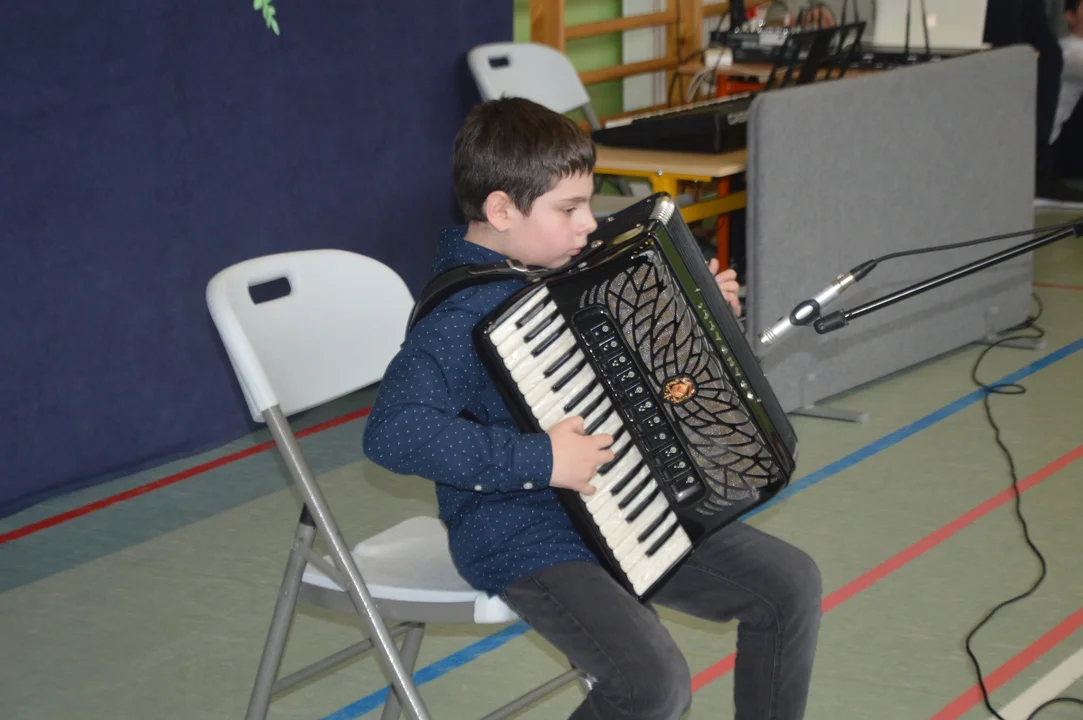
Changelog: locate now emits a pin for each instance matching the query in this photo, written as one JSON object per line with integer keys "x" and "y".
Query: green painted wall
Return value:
{"x": 588, "y": 53}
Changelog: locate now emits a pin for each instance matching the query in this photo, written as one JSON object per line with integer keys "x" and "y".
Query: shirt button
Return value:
{"x": 479, "y": 488}
{"x": 528, "y": 486}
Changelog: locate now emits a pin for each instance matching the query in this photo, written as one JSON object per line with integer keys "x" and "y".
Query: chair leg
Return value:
{"x": 619, "y": 181}
{"x": 362, "y": 599}
{"x": 411, "y": 646}
{"x": 275, "y": 644}
{"x": 537, "y": 693}
{"x": 586, "y": 682}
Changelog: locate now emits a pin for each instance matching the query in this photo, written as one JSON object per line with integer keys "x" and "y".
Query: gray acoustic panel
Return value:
{"x": 846, "y": 171}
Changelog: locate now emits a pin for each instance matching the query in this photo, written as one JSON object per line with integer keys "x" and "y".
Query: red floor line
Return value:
{"x": 919, "y": 548}
{"x": 1056, "y": 286}
{"x": 135, "y": 492}
{"x": 962, "y": 704}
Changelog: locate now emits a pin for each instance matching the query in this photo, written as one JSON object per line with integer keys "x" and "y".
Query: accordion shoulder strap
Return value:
{"x": 461, "y": 277}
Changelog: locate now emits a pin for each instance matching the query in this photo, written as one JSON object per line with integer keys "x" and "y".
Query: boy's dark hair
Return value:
{"x": 519, "y": 147}
{"x": 1072, "y": 5}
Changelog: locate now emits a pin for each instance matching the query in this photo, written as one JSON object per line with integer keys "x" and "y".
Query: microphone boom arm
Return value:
{"x": 841, "y": 318}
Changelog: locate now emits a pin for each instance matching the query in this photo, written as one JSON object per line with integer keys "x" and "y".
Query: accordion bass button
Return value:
{"x": 688, "y": 494}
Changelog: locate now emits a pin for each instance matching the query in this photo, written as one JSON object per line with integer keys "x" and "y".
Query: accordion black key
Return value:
{"x": 635, "y": 337}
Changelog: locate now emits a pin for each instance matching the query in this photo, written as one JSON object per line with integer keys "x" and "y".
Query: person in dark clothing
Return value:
{"x": 1067, "y": 137}
{"x": 1012, "y": 22}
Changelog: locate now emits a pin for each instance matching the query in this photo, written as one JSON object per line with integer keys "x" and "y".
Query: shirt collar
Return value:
{"x": 453, "y": 249}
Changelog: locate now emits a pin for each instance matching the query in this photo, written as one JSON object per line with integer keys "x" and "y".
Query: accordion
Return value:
{"x": 635, "y": 337}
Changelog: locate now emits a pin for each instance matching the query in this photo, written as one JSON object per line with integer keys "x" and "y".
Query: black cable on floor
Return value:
{"x": 1012, "y": 333}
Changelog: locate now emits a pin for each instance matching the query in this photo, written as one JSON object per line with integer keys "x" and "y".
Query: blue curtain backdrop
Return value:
{"x": 144, "y": 146}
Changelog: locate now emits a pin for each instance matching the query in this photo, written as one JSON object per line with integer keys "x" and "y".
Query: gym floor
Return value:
{"x": 149, "y": 596}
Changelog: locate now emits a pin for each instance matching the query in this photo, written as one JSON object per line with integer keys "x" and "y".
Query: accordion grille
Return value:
{"x": 663, "y": 330}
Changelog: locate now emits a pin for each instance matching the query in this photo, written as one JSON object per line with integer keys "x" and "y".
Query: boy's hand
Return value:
{"x": 576, "y": 455}
{"x": 727, "y": 283}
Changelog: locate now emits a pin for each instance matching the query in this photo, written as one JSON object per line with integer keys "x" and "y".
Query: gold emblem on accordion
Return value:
{"x": 679, "y": 389}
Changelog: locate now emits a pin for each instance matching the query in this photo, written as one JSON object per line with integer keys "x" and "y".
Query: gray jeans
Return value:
{"x": 772, "y": 589}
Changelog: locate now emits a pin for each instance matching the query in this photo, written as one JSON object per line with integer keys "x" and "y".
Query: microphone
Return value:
{"x": 809, "y": 310}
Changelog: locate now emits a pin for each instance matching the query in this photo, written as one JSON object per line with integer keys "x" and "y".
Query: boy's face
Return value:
{"x": 1075, "y": 20}
{"x": 557, "y": 226}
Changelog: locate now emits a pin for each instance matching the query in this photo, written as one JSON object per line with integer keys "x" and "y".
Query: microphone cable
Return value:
{"x": 979, "y": 241}
{"x": 860, "y": 271}
{"x": 1034, "y": 332}
{"x": 1030, "y": 331}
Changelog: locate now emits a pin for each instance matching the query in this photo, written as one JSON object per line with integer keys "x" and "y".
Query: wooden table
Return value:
{"x": 666, "y": 169}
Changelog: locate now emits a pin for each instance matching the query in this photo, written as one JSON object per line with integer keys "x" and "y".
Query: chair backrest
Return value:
{"x": 532, "y": 71}
{"x": 303, "y": 328}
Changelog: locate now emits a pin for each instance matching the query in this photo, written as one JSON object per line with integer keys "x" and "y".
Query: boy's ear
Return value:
{"x": 500, "y": 210}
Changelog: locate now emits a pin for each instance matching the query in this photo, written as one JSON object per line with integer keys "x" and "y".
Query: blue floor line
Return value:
{"x": 471, "y": 652}
{"x": 917, "y": 426}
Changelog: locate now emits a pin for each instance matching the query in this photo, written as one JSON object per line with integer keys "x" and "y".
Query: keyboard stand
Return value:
{"x": 814, "y": 55}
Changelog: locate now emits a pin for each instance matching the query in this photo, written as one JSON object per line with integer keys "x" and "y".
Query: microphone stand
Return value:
{"x": 841, "y": 318}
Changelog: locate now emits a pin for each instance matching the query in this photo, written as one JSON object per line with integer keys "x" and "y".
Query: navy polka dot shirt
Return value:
{"x": 492, "y": 480}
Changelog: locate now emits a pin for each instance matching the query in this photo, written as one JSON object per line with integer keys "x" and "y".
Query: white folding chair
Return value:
{"x": 546, "y": 76}
{"x": 532, "y": 71}
{"x": 300, "y": 330}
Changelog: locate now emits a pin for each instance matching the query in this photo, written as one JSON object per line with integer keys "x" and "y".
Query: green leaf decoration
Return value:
{"x": 268, "y": 11}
